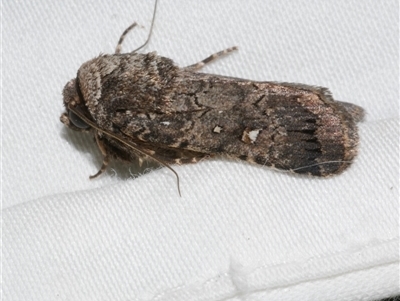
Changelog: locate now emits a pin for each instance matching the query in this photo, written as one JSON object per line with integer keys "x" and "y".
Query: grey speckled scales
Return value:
{"x": 176, "y": 115}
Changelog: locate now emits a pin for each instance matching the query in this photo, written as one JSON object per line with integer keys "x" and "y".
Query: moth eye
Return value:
{"x": 78, "y": 122}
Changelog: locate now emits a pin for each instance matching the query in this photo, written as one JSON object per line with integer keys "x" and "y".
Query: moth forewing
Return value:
{"x": 143, "y": 105}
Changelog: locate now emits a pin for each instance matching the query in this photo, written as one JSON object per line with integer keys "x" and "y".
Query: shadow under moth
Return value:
{"x": 145, "y": 106}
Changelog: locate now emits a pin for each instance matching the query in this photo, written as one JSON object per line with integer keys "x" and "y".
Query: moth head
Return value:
{"x": 72, "y": 97}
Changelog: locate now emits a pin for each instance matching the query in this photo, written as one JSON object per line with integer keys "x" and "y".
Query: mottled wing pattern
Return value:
{"x": 181, "y": 116}
{"x": 143, "y": 105}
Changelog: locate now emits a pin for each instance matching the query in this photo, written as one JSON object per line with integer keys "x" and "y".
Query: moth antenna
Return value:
{"x": 151, "y": 28}
{"x": 93, "y": 125}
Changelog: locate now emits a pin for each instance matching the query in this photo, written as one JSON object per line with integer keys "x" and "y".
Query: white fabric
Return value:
{"x": 239, "y": 231}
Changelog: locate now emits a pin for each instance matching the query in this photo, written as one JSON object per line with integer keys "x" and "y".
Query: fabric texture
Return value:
{"x": 239, "y": 231}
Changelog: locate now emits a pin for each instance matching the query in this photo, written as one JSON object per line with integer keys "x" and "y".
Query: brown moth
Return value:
{"x": 144, "y": 105}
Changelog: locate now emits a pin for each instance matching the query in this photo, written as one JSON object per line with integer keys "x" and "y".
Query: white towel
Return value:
{"x": 239, "y": 231}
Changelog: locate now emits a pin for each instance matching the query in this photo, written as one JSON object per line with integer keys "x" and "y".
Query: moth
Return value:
{"x": 144, "y": 106}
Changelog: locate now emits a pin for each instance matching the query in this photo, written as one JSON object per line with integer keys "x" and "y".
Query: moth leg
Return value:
{"x": 106, "y": 157}
{"x": 209, "y": 59}
{"x": 103, "y": 167}
{"x": 121, "y": 39}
